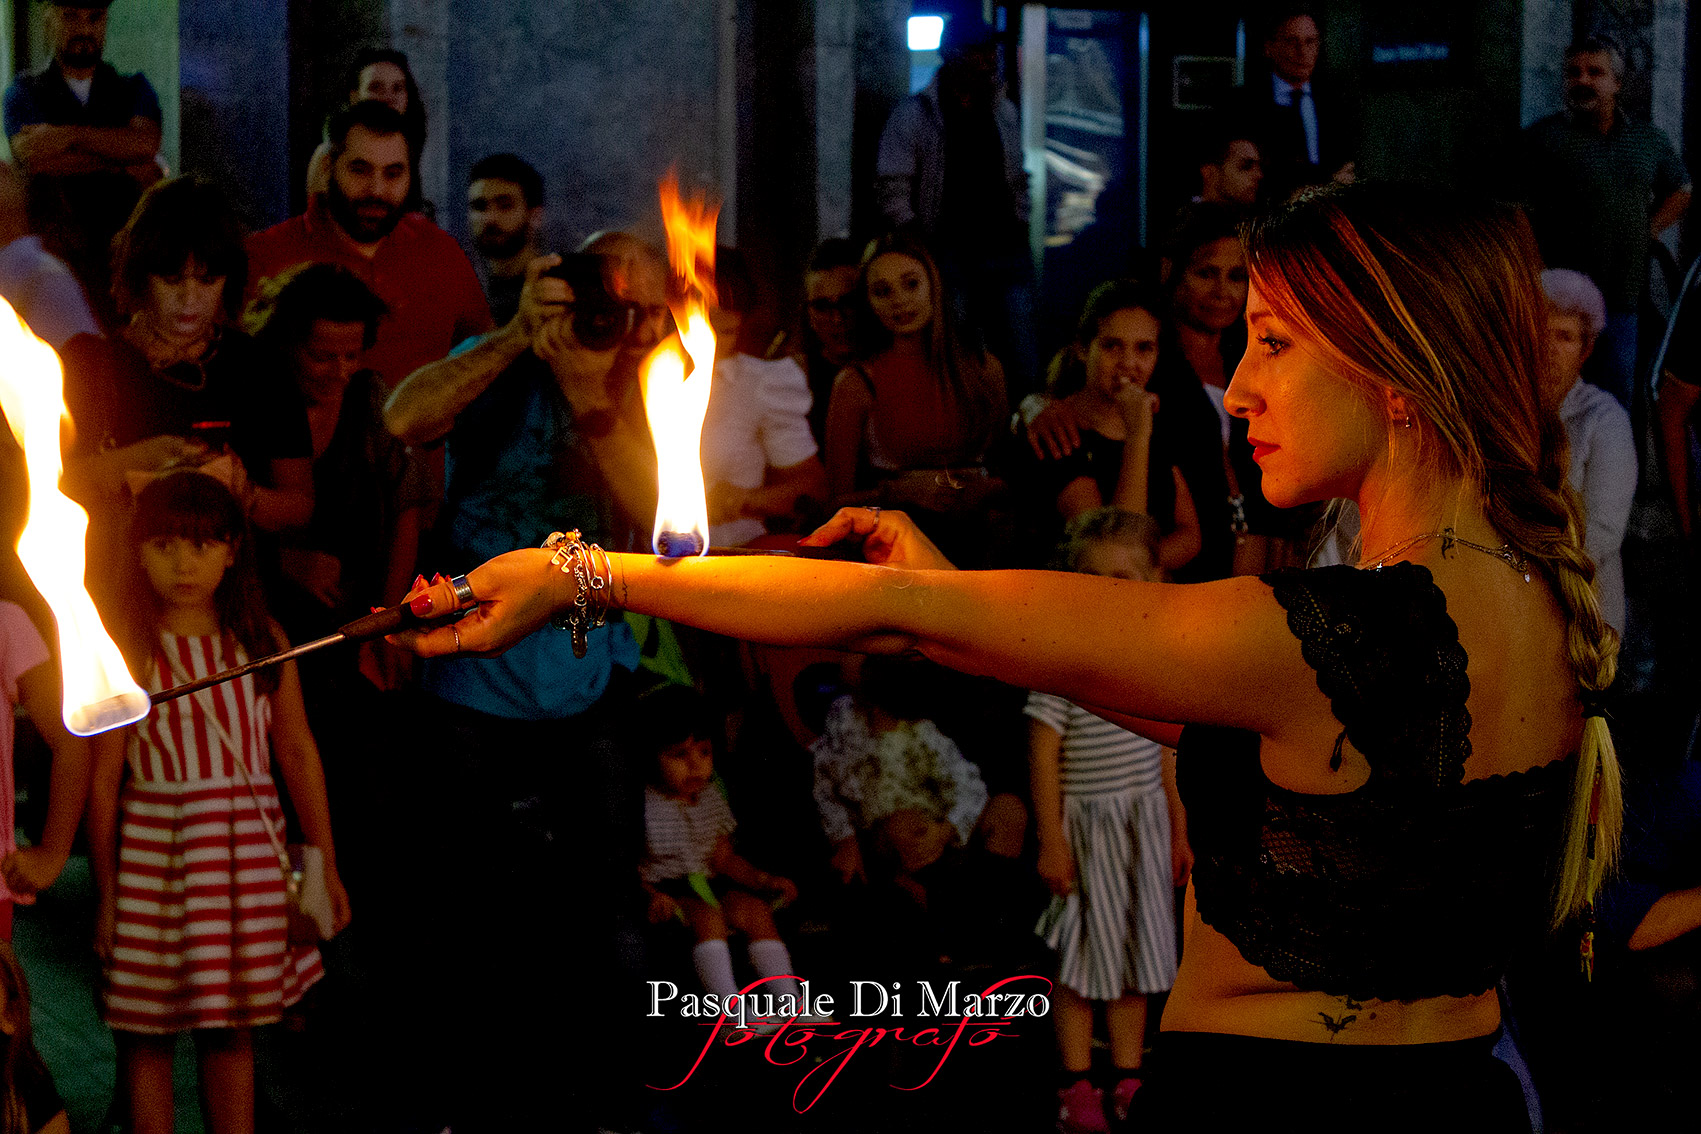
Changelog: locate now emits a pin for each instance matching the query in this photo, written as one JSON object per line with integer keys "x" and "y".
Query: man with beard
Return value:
{"x": 361, "y": 222}
{"x": 87, "y": 136}
{"x": 519, "y": 756}
{"x": 1599, "y": 188}
{"x": 504, "y": 215}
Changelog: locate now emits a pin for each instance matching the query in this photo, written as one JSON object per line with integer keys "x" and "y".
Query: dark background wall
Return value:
{"x": 601, "y": 97}
{"x": 777, "y": 157}
{"x": 234, "y": 62}
{"x": 1450, "y": 121}
{"x": 324, "y": 36}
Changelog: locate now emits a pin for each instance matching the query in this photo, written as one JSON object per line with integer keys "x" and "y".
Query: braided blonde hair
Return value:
{"x": 1439, "y": 300}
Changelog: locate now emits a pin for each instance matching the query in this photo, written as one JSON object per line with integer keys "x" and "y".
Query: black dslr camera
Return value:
{"x": 601, "y": 320}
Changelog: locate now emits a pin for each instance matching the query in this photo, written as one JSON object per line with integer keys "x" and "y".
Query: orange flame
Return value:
{"x": 676, "y": 398}
{"x": 99, "y": 693}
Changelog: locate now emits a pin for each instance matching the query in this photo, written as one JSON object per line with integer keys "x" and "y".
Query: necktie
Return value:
{"x": 1296, "y": 125}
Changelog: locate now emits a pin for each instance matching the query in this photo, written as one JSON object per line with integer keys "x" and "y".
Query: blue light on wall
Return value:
{"x": 925, "y": 32}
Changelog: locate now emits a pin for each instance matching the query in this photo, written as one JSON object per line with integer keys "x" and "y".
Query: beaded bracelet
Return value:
{"x": 579, "y": 559}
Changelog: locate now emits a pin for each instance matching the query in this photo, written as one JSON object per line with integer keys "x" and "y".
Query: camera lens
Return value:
{"x": 600, "y": 327}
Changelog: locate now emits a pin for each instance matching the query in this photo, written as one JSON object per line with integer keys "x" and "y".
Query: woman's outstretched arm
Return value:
{"x": 1214, "y": 653}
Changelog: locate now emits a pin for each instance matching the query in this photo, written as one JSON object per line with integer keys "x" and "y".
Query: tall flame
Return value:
{"x": 99, "y": 693}
{"x": 675, "y": 399}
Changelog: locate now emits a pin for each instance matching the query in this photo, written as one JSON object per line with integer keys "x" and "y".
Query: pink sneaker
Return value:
{"x": 1123, "y": 1098}
{"x": 1081, "y": 1110}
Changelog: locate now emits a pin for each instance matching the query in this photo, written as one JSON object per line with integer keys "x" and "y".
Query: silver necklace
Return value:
{"x": 1451, "y": 539}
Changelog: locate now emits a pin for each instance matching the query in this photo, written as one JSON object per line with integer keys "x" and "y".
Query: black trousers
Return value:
{"x": 1203, "y": 1081}
{"x": 511, "y": 942}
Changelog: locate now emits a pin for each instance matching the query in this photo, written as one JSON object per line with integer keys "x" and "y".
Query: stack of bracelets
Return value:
{"x": 591, "y": 577}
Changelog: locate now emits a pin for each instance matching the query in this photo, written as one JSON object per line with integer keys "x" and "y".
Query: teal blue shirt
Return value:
{"x": 516, "y": 471}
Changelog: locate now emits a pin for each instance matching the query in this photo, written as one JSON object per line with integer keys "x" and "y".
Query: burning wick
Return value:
{"x": 99, "y": 693}
{"x": 678, "y": 545}
{"x": 676, "y": 377}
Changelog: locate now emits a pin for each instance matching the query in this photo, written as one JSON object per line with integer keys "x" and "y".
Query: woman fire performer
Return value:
{"x": 1396, "y": 774}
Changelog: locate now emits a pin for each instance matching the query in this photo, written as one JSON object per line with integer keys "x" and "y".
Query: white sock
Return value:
{"x": 770, "y": 958}
{"x": 714, "y": 966}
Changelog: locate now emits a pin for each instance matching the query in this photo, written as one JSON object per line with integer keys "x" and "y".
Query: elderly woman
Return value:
{"x": 1603, "y": 450}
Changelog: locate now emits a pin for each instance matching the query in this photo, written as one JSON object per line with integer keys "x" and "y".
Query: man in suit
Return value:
{"x": 1306, "y": 136}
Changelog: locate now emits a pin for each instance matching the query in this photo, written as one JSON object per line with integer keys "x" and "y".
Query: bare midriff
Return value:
{"x": 1218, "y": 990}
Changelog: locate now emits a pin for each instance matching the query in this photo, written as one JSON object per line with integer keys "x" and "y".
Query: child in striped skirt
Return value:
{"x": 193, "y": 926}
{"x": 1104, "y": 799}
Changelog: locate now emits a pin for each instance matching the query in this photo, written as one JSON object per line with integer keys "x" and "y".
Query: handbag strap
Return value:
{"x": 238, "y": 757}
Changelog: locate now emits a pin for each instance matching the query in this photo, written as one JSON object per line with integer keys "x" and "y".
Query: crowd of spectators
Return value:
{"x": 374, "y": 403}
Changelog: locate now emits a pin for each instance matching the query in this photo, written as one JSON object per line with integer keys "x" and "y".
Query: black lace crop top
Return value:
{"x": 1415, "y": 885}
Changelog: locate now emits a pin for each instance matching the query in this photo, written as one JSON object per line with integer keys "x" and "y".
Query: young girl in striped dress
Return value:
{"x": 1112, "y": 847}
{"x": 193, "y": 926}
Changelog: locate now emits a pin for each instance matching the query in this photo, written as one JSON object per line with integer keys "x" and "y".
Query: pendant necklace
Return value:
{"x": 1449, "y": 540}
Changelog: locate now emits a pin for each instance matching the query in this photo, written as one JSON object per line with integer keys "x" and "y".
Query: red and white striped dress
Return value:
{"x": 202, "y": 935}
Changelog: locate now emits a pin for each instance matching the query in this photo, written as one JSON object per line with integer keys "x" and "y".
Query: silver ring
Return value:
{"x": 463, "y": 592}
{"x": 456, "y": 630}
{"x": 875, "y": 508}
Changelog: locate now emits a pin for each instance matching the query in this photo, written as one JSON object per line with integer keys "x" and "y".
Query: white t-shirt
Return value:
{"x": 44, "y": 293}
{"x": 758, "y": 418}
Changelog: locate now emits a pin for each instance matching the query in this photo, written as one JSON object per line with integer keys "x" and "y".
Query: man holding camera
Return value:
{"x": 545, "y": 431}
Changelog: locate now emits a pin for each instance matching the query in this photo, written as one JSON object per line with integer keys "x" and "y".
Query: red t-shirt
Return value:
{"x": 433, "y": 294}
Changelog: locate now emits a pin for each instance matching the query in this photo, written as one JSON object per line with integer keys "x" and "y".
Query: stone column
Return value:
{"x": 835, "y": 119}
{"x": 882, "y": 78}
{"x": 420, "y": 28}
{"x": 234, "y": 60}
{"x": 1668, "y": 38}
{"x": 1547, "y": 29}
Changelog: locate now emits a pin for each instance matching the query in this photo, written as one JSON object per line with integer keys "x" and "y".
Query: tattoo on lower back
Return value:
{"x": 1338, "y": 1024}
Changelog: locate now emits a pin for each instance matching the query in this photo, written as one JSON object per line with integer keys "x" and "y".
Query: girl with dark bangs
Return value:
{"x": 178, "y": 385}
{"x": 193, "y": 927}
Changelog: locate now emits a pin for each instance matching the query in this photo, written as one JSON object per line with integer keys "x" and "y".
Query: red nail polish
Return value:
{"x": 421, "y": 605}
{"x": 438, "y": 578}
{"x": 376, "y": 609}
{"x": 419, "y": 581}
